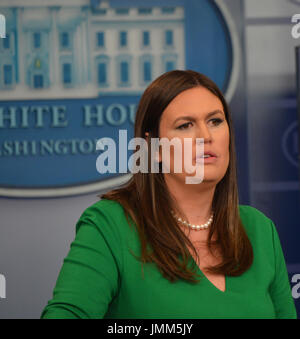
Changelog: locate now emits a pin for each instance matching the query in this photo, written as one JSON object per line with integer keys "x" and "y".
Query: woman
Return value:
{"x": 137, "y": 254}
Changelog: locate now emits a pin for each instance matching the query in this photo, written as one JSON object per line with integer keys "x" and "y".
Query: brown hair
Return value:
{"x": 147, "y": 201}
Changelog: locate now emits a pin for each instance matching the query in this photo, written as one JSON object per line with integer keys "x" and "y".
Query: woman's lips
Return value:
{"x": 207, "y": 160}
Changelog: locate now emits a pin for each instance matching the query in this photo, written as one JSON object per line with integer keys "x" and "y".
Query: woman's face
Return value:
{"x": 197, "y": 113}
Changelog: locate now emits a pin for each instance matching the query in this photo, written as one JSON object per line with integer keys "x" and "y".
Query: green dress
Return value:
{"x": 100, "y": 278}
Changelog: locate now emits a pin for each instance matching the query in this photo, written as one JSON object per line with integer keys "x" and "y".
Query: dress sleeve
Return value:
{"x": 90, "y": 275}
{"x": 280, "y": 288}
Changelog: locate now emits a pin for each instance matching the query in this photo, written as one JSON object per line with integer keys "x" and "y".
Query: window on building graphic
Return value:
{"x": 170, "y": 66}
{"x": 38, "y": 81}
{"x": 169, "y": 38}
{"x": 145, "y": 11}
{"x": 123, "y": 39}
{"x": 124, "y": 72}
{"x": 123, "y": 64}
{"x": 65, "y": 40}
{"x": 36, "y": 40}
{"x": 101, "y": 11}
{"x": 8, "y": 75}
{"x": 168, "y": 10}
{"x": 169, "y": 62}
{"x": 122, "y": 11}
{"x": 67, "y": 73}
{"x": 6, "y": 41}
{"x": 146, "y": 38}
{"x": 102, "y": 73}
{"x": 147, "y": 70}
{"x": 100, "y": 39}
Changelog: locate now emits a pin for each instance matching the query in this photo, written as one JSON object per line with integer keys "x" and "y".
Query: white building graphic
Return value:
{"x": 86, "y": 48}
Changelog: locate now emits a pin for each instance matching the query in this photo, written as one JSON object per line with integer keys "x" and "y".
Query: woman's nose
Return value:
{"x": 203, "y": 133}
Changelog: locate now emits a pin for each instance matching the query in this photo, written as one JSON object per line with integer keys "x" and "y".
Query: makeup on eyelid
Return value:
{"x": 218, "y": 121}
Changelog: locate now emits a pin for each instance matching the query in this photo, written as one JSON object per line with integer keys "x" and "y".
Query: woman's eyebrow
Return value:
{"x": 192, "y": 118}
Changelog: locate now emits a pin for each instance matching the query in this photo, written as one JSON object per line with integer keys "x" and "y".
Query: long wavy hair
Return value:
{"x": 147, "y": 201}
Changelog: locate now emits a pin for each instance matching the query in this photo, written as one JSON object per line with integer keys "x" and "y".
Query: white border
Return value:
{"x": 236, "y": 50}
{"x": 292, "y": 126}
{"x": 122, "y": 179}
{"x": 64, "y": 191}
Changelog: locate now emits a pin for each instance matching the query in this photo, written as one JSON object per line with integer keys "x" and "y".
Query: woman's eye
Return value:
{"x": 216, "y": 121}
{"x": 184, "y": 126}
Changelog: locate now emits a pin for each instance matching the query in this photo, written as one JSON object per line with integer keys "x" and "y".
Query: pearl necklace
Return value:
{"x": 194, "y": 227}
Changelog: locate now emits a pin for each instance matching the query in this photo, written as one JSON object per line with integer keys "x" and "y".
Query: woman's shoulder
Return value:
{"x": 255, "y": 221}
{"x": 104, "y": 207}
{"x": 250, "y": 212}
{"x": 103, "y": 214}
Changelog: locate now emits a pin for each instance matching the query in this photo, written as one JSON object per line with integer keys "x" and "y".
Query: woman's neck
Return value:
{"x": 194, "y": 200}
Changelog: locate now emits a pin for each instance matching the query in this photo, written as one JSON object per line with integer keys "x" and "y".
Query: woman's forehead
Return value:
{"x": 195, "y": 102}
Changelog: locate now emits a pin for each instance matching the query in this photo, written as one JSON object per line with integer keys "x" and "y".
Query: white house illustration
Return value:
{"x": 86, "y": 48}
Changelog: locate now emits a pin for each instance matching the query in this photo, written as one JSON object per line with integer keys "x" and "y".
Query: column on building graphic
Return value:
{"x": 20, "y": 47}
{"x": 9, "y": 52}
{"x": 66, "y": 56}
{"x": 36, "y": 32}
{"x": 69, "y": 44}
{"x": 37, "y": 58}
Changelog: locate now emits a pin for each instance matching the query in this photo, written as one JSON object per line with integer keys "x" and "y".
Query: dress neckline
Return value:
{"x": 209, "y": 282}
